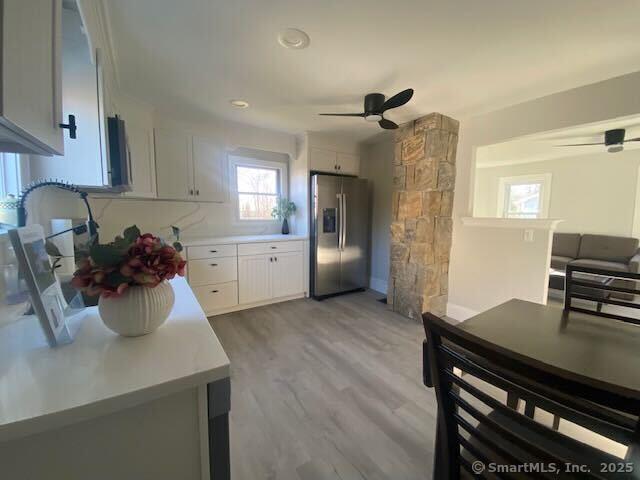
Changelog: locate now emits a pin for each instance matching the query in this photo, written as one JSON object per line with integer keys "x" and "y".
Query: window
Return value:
{"x": 257, "y": 185}
{"x": 524, "y": 196}
{"x": 10, "y": 175}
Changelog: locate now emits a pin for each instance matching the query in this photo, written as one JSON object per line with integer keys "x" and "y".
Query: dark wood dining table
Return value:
{"x": 599, "y": 351}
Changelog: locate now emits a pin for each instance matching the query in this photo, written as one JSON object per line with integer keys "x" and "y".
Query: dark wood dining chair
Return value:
{"x": 597, "y": 285}
{"x": 474, "y": 426}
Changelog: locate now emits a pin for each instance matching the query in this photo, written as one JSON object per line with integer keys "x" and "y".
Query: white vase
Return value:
{"x": 139, "y": 310}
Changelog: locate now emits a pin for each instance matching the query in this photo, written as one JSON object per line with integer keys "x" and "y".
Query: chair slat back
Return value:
{"x": 476, "y": 426}
{"x": 577, "y": 287}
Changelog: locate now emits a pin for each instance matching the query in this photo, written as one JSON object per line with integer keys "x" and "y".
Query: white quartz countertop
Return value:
{"x": 100, "y": 372}
{"x": 196, "y": 241}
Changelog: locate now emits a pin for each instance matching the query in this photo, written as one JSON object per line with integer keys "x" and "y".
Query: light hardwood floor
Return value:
{"x": 327, "y": 390}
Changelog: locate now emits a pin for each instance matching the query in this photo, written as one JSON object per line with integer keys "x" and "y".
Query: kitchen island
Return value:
{"x": 107, "y": 407}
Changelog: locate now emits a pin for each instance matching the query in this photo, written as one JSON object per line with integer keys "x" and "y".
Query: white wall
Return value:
{"x": 376, "y": 163}
{"x": 614, "y": 98}
{"x": 591, "y": 193}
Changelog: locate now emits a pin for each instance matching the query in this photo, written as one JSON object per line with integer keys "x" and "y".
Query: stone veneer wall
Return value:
{"x": 424, "y": 180}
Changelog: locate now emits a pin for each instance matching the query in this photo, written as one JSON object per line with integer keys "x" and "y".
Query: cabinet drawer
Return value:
{"x": 272, "y": 247}
{"x": 215, "y": 297}
{"x": 212, "y": 270}
{"x": 211, "y": 251}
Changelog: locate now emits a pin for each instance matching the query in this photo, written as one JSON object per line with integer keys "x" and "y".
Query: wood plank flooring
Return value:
{"x": 327, "y": 390}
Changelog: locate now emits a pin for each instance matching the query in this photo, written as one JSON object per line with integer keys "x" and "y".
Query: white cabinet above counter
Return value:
{"x": 189, "y": 167}
{"x": 329, "y": 160}
{"x": 239, "y": 272}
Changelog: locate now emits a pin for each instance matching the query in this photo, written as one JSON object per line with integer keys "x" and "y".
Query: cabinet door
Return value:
{"x": 31, "y": 103}
{"x": 286, "y": 274}
{"x": 254, "y": 275}
{"x": 209, "y": 171}
{"x": 348, "y": 163}
{"x": 174, "y": 171}
{"x": 141, "y": 161}
{"x": 322, "y": 160}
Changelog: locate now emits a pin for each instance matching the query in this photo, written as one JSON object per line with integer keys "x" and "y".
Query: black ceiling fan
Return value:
{"x": 375, "y": 105}
{"x": 613, "y": 140}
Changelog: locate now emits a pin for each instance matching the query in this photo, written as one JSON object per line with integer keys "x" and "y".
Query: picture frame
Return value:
{"x": 47, "y": 299}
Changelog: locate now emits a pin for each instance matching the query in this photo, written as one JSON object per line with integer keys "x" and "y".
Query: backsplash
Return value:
{"x": 156, "y": 216}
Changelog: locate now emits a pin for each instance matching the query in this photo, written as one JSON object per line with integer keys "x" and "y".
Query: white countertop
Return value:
{"x": 100, "y": 372}
{"x": 195, "y": 241}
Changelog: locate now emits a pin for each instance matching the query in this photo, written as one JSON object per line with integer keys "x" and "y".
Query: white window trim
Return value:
{"x": 11, "y": 175}
{"x": 544, "y": 179}
{"x": 240, "y": 161}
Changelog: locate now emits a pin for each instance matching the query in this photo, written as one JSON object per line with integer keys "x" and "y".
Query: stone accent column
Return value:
{"x": 424, "y": 180}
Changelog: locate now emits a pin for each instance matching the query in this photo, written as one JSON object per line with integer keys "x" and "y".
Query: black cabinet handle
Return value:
{"x": 214, "y": 291}
{"x": 71, "y": 126}
{"x": 273, "y": 248}
{"x": 197, "y": 192}
{"x": 213, "y": 264}
{"x": 276, "y": 258}
{"x": 191, "y": 192}
{"x": 213, "y": 251}
{"x": 271, "y": 259}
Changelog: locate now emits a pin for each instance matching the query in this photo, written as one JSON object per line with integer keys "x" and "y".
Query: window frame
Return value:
{"x": 543, "y": 179}
{"x": 236, "y": 161}
{"x": 12, "y": 174}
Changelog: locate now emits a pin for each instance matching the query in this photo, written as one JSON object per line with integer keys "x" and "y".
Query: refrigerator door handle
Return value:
{"x": 344, "y": 220}
{"x": 339, "y": 197}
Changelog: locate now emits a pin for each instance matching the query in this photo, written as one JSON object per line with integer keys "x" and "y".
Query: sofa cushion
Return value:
{"x": 559, "y": 262}
{"x": 608, "y": 248}
{"x": 601, "y": 264}
{"x": 566, "y": 244}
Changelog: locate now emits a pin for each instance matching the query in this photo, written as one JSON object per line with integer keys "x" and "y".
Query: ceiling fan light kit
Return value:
{"x": 375, "y": 104}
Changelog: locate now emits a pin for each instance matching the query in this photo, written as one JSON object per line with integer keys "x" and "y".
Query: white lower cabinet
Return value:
{"x": 286, "y": 274}
{"x": 236, "y": 281}
{"x": 254, "y": 273}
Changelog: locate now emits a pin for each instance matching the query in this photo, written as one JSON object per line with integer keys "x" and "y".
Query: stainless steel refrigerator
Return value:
{"x": 339, "y": 234}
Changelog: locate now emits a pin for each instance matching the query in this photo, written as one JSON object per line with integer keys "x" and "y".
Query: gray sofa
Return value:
{"x": 619, "y": 254}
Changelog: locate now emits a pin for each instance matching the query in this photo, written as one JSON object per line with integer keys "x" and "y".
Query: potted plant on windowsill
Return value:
{"x": 282, "y": 211}
{"x": 131, "y": 275}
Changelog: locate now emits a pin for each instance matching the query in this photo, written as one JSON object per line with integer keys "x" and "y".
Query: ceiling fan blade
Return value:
{"x": 342, "y": 114}
{"x": 398, "y": 99}
{"x": 388, "y": 124}
{"x": 633, "y": 140}
{"x": 579, "y": 144}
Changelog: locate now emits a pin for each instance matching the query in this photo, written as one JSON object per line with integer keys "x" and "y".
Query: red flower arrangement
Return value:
{"x": 131, "y": 259}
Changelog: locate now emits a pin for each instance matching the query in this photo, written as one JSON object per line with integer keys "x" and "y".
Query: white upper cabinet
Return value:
{"x": 30, "y": 75}
{"x": 322, "y": 160}
{"x": 348, "y": 164}
{"x": 174, "y": 167}
{"x": 209, "y": 171}
{"x": 325, "y": 160}
{"x": 190, "y": 168}
{"x": 141, "y": 161}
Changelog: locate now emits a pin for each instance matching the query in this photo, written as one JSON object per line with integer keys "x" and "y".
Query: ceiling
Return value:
{"x": 544, "y": 147}
{"x": 462, "y": 57}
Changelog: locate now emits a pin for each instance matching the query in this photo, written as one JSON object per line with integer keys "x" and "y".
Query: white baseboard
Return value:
{"x": 459, "y": 313}
{"x": 378, "y": 284}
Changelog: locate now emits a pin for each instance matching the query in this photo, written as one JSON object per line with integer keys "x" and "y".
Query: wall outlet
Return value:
{"x": 528, "y": 235}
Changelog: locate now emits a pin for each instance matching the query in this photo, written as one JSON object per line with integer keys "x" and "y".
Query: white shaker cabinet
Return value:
{"x": 209, "y": 171}
{"x": 142, "y": 175}
{"x": 286, "y": 274}
{"x": 30, "y": 77}
{"x": 254, "y": 278}
{"x": 325, "y": 160}
{"x": 174, "y": 170}
{"x": 189, "y": 167}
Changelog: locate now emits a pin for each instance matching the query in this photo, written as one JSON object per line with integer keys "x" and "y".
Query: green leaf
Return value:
{"x": 116, "y": 278}
{"x": 177, "y": 246}
{"x": 122, "y": 244}
{"x": 131, "y": 233}
{"x": 106, "y": 255}
{"x": 52, "y": 249}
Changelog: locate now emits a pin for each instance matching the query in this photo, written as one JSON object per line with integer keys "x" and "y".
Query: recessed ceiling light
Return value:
{"x": 293, "y": 38}
{"x": 239, "y": 103}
